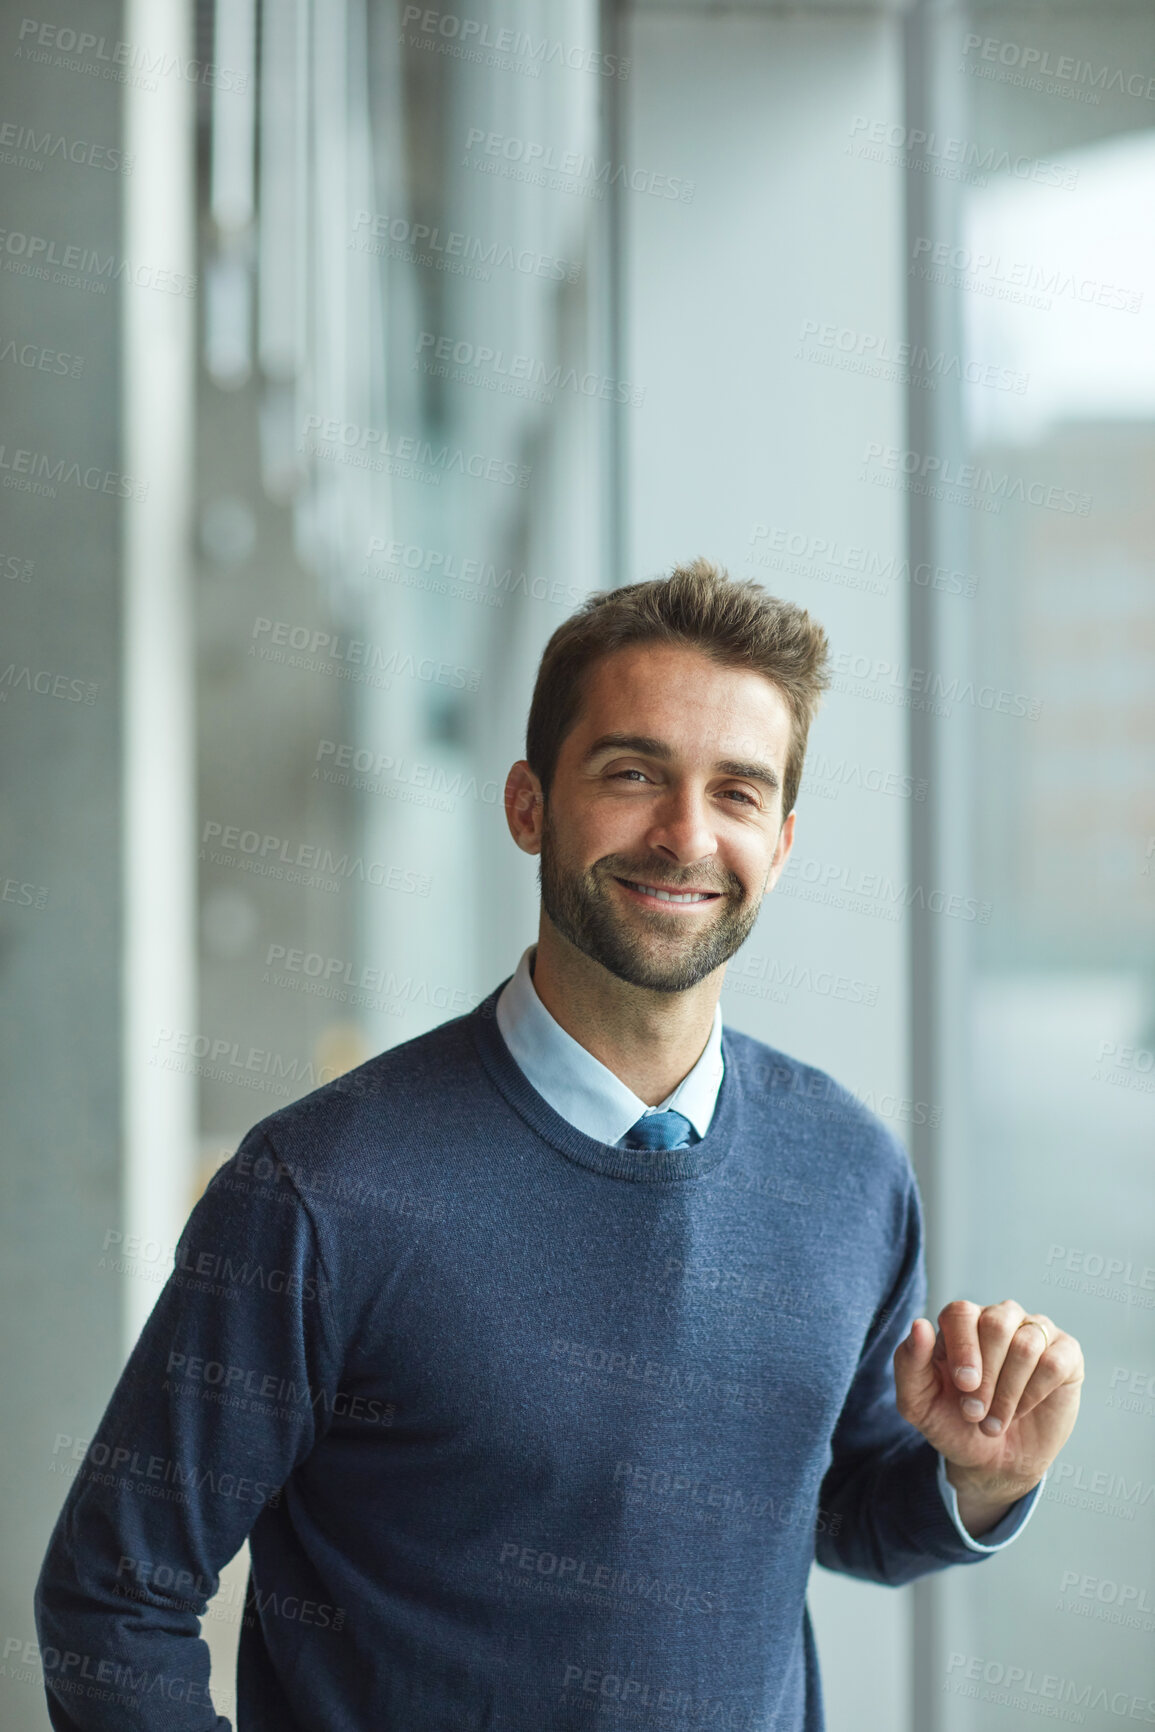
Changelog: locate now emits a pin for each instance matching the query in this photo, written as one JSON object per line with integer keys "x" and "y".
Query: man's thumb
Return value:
{"x": 914, "y": 1375}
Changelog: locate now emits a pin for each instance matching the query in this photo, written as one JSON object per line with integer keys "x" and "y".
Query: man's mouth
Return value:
{"x": 658, "y": 893}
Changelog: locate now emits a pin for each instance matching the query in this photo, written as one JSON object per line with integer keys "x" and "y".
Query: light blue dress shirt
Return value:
{"x": 586, "y": 1092}
{"x": 579, "y": 1086}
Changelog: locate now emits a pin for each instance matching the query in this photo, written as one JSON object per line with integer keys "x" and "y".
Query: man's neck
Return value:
{"x": 650, "y": 1040}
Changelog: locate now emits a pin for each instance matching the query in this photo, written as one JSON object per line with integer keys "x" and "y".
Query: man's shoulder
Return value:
{"x": 813, "y": 1106}
{"x": 404, "y": 1087}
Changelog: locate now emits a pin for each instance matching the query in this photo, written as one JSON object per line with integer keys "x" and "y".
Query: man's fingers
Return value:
{"x": 959, "y": 1345}
{"x": 1061, "y": 1363}
{"x": 996, "y": 1333}
{"x": 1002, "y": 1363}
{"x": 1022, "y": 1356}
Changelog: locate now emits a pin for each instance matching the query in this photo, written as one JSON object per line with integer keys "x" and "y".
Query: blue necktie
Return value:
{"x": 668, "y": 1130}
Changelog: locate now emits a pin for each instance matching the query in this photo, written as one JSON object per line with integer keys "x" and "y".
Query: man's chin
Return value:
{"x": 672, "y": 962}
{"x": 653, "y": 980}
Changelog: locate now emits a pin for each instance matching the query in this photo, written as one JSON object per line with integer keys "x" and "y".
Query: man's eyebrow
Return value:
{"x": 750, "y": 772}
{"x": 648, "y": 747}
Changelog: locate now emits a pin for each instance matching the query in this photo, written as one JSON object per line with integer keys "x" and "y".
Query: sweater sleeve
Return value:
{"x": 882, "y": 1515}
{"x": 183, "y": 1462}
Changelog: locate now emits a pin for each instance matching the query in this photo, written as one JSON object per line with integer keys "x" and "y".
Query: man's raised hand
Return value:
{"x": 995, "y": 1390}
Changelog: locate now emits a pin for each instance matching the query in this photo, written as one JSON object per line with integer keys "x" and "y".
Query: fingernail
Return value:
{"x": 972, "y": 1407}
{"x": 991, "y": 1425}
{"x": 968, "y": 1376}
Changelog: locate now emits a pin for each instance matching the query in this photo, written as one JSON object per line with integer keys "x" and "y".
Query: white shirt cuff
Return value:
{"x": 1019, "y": 1513}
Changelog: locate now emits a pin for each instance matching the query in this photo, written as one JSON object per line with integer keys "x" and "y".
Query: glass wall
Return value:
{"x": 1039, "y": 1029}
{"x": 399, "y": 330}
{"x": 400, "y": 498}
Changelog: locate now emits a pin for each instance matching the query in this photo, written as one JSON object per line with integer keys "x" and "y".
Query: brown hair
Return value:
{"x": 736, "y": 623}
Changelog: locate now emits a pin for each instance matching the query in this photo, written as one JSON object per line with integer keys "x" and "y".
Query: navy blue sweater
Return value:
{"x": 521, "y": 1426}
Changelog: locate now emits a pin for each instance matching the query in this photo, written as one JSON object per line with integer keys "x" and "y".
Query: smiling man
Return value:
{"x": 540, "y": 1356}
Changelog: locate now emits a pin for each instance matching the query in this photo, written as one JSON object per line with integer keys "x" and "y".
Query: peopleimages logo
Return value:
{"x": 382, "y": 452}
{"x": 968, "y": 483}
{"x": 239, "y": 1380}
{"x": 1101, "y": 1276}
{"x": 832, "y": 561}
{"x": 528, "y": 53}
{"x": 1019, "y": 281}
{"x": 538, "y": 164}
{"x": 1132, "y": 1391}
{"x": 37, "y": 357}
{"x": 1128, "y": 1067}
{"x": 24, "y": 895}
{"x": 80, "y": 267}
{"x": 768, "y": 977}
{"x": 873, "y": 893}
{"x": 608, "y": 1579}
{"x": 493, "y": 369}
{"x": 141, "y": 1578}
{"x": 223, "y": 1060}
{"x": 885, "y": 681}
{"x": 323, "y": 651}
{"x": 460, "y": 254}
{"x": 436, "y": 569}
{"x": 24, "y": 147}
{"x": 955, "y": 158}
{"x": 371, "y": 768}
{"x": 1124, "y": 1604}
{"x": 1037, "y": 64}
{"x": 1023, "y": 1687}
{"x": 46, "y": 684}
{"x": 662, "y": 1701}
{"x": 879, "y": 356}
{"x": 637, "y": 1482}
{"x": 81, "y": 51}
{"x": 103, "y": 1679}
{"x": 1102, "y": 1490}
{"x": 825, "y": 776}
{"x": 358, "y": 975}
{"x": 41, "y": 473}
{"x": 309, "y": 863}
{"x": 128, "y": 1470}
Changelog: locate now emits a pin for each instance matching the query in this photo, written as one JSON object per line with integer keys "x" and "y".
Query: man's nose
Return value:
{"x": 682, "y": 825}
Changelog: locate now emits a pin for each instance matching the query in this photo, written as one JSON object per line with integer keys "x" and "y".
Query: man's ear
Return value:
{"x": 781, "y": 851}
{"x": 524, "y": 807}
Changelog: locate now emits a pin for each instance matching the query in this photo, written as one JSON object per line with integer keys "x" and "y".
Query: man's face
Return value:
{"x": 687, "y": 798}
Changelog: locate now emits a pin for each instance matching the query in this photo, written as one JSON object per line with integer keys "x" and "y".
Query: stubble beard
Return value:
{"x": 646, "y": 951}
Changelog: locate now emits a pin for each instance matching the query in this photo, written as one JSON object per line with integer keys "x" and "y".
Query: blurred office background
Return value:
{"x": 347, "y": 346}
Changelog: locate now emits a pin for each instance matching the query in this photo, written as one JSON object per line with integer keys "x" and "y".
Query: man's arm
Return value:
{"x": 884, "y": 1514}
{"x": 182, "y": 1463}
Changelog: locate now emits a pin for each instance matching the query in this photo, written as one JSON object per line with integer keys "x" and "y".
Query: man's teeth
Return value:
{"x": 674, "y": 896}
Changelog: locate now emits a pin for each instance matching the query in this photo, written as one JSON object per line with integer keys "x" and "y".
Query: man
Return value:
{"x": 541, "y": 1355}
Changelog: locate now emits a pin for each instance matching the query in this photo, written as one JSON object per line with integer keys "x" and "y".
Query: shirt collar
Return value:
{"x": 577, "y": 1085}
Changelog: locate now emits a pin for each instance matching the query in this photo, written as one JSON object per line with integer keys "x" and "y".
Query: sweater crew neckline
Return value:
{"x": 637, "y": 1165}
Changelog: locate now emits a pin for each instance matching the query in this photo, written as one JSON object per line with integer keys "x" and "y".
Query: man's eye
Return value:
{"x": 743, "y": 795}
{"x": 632, "y": 772}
